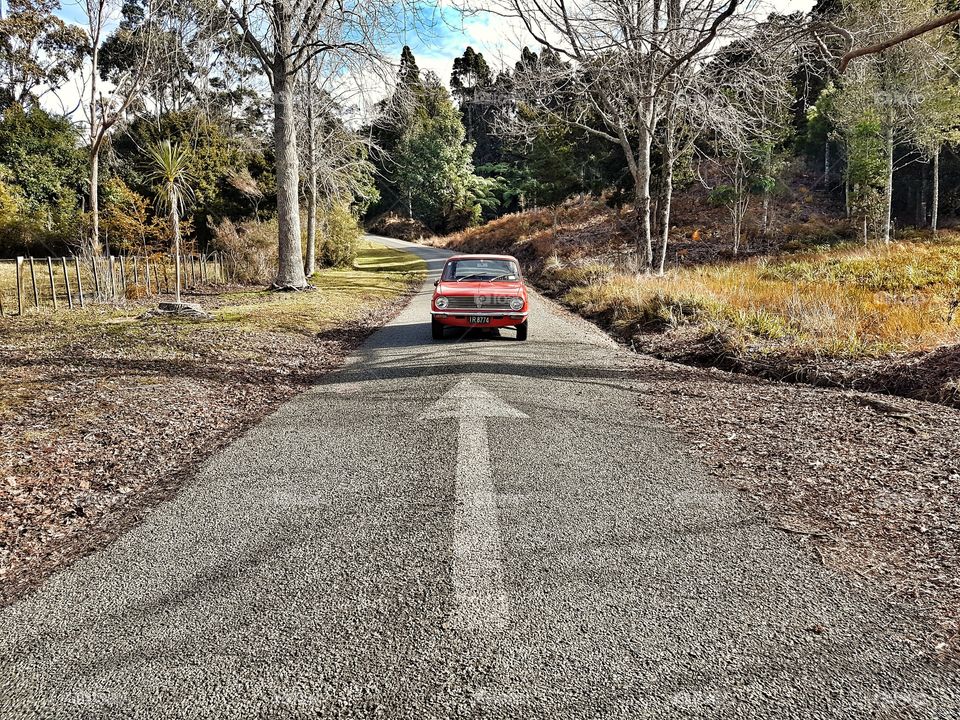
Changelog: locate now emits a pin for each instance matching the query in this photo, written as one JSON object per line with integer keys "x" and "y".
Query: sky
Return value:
{"x": 444, "y": 32}
{"x": 500, "y": 40}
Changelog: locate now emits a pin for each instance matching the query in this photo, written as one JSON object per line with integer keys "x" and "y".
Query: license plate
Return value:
{"x": 478, "y": 319}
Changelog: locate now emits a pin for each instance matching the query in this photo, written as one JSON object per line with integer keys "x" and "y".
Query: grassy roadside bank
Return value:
{"x": 881, "y": 319}
{"x": 103, "y": 415}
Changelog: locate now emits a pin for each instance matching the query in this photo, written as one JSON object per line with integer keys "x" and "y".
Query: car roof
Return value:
{"x": 481, "y": 256}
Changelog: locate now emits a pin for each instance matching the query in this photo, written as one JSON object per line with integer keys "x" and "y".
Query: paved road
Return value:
{"x": 481, "y": 528}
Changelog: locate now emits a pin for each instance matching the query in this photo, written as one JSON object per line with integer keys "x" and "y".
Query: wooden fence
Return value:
{"x": 28, "y": 283}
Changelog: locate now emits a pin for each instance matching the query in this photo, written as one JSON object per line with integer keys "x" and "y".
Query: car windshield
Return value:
{"x": 480, "y": 270}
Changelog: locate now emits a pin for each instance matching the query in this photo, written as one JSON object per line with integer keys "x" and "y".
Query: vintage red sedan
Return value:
{"x": 480, "y": 291}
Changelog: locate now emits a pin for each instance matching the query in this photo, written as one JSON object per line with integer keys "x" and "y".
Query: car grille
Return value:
{"x": 479, "y": 302}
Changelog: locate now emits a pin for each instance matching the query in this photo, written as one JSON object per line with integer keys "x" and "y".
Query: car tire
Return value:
{"x": 436, "y": 329}
{"x": 522, "y": 330}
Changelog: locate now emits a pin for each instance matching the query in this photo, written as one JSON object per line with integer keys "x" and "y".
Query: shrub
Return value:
{"x": 250, "y": 248}
{"x": 339, "y": 235}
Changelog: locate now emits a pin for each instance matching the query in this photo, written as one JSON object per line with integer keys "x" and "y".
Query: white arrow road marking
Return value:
{"x": 480, "y": 603}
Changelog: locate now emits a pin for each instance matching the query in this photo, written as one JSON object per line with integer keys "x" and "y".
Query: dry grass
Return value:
{"x": 844, "y": 303}
{"x": 577, "y": 227}
{"x": 343, "y": 296}
{"x": 8, "y": 279}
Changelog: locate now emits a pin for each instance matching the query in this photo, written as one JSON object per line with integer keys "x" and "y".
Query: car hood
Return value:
{"x": 471, "y": 289}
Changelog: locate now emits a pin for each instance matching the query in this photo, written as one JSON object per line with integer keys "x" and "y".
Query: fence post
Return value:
{"x": 76, "y": 262}
{"x": 113, "y": 277}
{"x": 33, "y": 280}
{"x": 123, "y": 276}
{"x": 96, "y": 276}
{"x": 66, "y": 282}
{"x": 146, "y": 272}
{"x": 19, "y": 286}
{"x": 53, "y": 288}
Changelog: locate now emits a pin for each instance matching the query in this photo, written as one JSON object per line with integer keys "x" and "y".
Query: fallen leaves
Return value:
{"x": 839, "y": 470}
{"x": 97, "y": 425}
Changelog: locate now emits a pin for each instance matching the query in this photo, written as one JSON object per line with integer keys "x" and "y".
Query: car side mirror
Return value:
{"x": 436, "y": 283}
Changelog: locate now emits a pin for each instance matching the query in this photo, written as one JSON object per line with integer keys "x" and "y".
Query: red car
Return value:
{"x": 480, "y": 291}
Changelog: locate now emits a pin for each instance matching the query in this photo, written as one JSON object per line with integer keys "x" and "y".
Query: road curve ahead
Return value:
{"x": 476, "y": 528}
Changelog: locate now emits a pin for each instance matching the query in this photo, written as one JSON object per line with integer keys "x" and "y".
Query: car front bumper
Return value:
{"x": 461, "y": 318}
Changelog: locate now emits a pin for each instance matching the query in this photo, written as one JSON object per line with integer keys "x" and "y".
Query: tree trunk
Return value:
{"x": 935, "y": 200}
{"x": 736, "y": 230}
{"x": 94, "y": 180}
{"x": 888, "y": 199}
{"x": 645, "y": 236}
{"x": 175, "y": 226}
{"x": 666, "y": 190}
{"x": 922, "y": 198}
{"x": 846, "y": 194}
{"x": 94, "y": 154}
{"x": 310, "y": 265}
{"x": 287, "y": 167}
{"x": 765, "y": 220}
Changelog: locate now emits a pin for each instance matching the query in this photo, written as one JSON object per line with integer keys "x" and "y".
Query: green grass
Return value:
{"x": 378, "y": 273}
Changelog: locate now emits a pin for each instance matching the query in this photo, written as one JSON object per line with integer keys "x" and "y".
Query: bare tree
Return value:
{"x": 334, "y": 157}
{"x": 621, "y": 64}
{"x": 107, "y": 104}
{"x": 284, "y": 36}
{"x": 934, "y": 23}
{"x": 750, "y": 94}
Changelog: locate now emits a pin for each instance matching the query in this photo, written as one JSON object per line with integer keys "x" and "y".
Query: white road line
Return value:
{"x": 477, "y": 570}
{"x": 480, "y": 602}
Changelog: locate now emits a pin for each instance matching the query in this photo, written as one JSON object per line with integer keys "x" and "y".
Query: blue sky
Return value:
{"x": 442, "y": 33}
{"x": 500, "y": 40}
{"x": 450, "y": 32}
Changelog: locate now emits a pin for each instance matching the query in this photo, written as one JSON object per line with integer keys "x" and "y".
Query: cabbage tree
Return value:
{"x": 172, "y": 175}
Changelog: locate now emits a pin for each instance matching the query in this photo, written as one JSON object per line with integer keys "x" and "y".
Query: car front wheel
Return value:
{"x": 522, "y": 330}
{"x": 436, "y": 329}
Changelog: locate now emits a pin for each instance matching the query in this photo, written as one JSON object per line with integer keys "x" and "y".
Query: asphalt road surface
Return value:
{"x": 474, "y": 528}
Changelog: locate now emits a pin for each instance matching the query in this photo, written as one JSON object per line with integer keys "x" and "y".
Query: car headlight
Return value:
{"x": 516, "y": 304}
{"x": 441, "y": 303}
